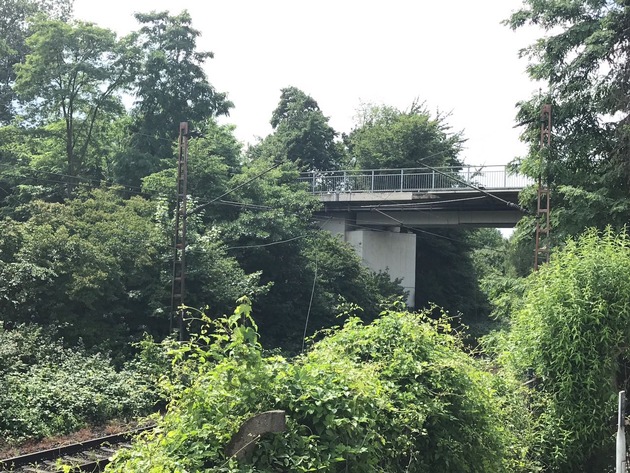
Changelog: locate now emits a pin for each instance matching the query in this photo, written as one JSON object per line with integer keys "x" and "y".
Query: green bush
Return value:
{"x": 570, "y": 333}
{"x": 49, "y": 389}
{"x": 396, "y": 395}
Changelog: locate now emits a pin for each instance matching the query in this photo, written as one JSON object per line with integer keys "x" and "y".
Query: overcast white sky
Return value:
{"x": 454, "y": 55}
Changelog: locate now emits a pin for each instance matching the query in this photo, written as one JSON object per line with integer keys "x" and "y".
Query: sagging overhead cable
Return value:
{"x": 476, "y": 188}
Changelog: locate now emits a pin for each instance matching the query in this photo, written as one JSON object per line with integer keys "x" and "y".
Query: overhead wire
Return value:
{"x": 351, "y": 223}
{"x": 138, "y": 191}
{"x": 126, "y": 188}
{"x": 310, "y": 304}
{"x": 413, "y": 205}
{"x": 262, "y": 245}
{"x": 279, "y": 242}
{"x": 121, "y": 187}
{"x": 80, "y": 179}
{"x": 434, "y": 155}
{"x": 477, "y": 188}
{"x": 418, "y": 205}
{"x": 243, "y": 204}
{"x": 417, "y": 229}
{"x": 229, "y": 203}
{"x": 200, "y": 207}
{"x": 58, "y": 174}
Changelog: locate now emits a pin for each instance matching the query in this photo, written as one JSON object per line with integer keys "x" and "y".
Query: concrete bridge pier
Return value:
{"x": 368, "y": 207}
{"x": 382, "y": 250}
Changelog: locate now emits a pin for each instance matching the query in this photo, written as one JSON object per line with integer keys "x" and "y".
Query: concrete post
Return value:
{"x": 244, "y": 441}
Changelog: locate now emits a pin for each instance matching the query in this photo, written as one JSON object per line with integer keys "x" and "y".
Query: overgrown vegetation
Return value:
{"x": 46, "y": 389}
{"x": 87, "y": 194}
{"x": 398, "y": 394}
{"x": 569, "y": 334}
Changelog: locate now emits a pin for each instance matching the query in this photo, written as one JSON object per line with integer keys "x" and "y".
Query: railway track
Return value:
{"x": 89, "y": 456}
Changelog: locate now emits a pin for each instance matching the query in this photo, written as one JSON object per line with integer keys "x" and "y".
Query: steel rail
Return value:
{"x": 97, "y": 453}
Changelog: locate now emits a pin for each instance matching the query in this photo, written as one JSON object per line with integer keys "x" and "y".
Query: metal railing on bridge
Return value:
{"x": 414, "y": 179}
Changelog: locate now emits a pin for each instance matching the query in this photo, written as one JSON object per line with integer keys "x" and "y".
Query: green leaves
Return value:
{"x": 16, "y": 16}
{"x": 91, "y": 265}
{"x": 171, "y": 85}
{"x": 73, "y": 73}
{"x": 389, "y": 138}
{"x": 570, "y": 332}
{"x": 582, "y": 60}
{"x": 396, "y": 395}
{"x": 302, "y": 133}
{"x": 46, "y": 389}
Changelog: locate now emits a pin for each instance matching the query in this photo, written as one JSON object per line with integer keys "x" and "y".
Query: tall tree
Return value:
{"x": 171, "y": 87}
{"x": 584, "y": 60}
{"x": 302, "y": 133}
{"x": 386, "y": 137}
{"x": 72, "y": 75}
{"x": 15, "y": 17}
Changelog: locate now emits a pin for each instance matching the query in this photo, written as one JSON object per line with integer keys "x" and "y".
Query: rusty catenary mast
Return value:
{"x": 541, "y": 252}
{"x": 179, "y": 244}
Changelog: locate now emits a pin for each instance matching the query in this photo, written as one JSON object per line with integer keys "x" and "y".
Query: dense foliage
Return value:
{"x": 46, "y": 389}
{"x": 91, "y": 266}
{"x": 569, "y": 322}
{"x": 15, "y": 19}
{"x": 302, "y": 133}
{"x": 73, "y": 138}
{"x": 87, "y": 197}
{"x": 569, "y": 333}
{"x": 398, "y": 394}
{"x": 389, "y": 138}
{"x": 582, "y": 60}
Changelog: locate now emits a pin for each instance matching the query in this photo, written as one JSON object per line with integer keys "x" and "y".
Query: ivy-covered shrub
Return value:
{"x": 396, "y": 395}
{"x": 570, "y": 338}
{"x": 46, "y": 389}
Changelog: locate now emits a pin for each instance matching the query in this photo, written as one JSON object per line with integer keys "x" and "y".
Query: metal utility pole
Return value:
{"x": 620, "y": 462}
{"x": 179, "y": 246}
{"x": 543, "y": 243}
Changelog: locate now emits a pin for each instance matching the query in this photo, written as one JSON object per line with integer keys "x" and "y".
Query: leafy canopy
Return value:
{"x": 388, "y": 138}
{"x": 302, "y": 133}
{"x": 171, "y": 85}
{"x": 583, "y": 59}
{"x": 570, "y": 332}
{"x": 73, "y": 74}
{"x": 16, "y": 17}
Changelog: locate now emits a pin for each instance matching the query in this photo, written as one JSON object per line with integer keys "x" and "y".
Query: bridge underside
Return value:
{"x": 380, "y": 226}
{"x": 424, "y": 209}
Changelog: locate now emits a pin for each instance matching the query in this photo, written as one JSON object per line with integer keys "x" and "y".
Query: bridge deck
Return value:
{"x": 414, "y": 180}
{"x": 421, "y": 197}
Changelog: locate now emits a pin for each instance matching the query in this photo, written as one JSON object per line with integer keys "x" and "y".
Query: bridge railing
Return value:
{"x": 413, "y": 179}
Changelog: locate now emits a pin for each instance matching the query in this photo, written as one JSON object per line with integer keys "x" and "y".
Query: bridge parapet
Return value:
{"x": 413, "y": 179}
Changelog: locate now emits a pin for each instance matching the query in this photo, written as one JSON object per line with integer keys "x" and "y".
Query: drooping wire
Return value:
{"x": 351, "y": 223}
{"x": 478, "y": 189}
{"x": 200, "y": 207}
{"x": 417, "y": 229}
{"x": 413, "y": 205}
{"x": 262, "y": 245}
{"x": 310, "y": 304}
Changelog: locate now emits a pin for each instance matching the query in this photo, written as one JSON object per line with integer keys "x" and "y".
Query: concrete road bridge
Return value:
{"x": 378, "y": 211}
{"x": 477, "y": 196}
